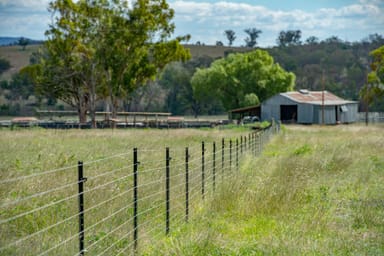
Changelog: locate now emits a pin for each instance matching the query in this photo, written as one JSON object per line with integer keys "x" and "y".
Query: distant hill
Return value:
{"x": 14, "y": 41}
{"x": 17, "y": 57}
{"x": 339, "y": 66}
{"x": 214, "y": 51}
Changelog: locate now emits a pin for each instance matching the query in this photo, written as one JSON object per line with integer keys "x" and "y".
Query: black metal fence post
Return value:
{"x": 186, "y": 184}
{"x": 214, "y": 166}
{"x": 202, "y": 169}
{"x": 222, "y": 155}
{"x": 249, "y": 143}
{"x": 167, "y": 197}
{"x": 241, "y": 145}
{"x": 81, "y": 180}
{"x": 237, "y": 154}
{"x": 245, "y": 143}
{"x": 135, "y": 199}
{"x": 230, "y": 154}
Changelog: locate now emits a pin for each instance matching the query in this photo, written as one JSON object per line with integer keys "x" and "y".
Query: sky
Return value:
{"x": 206, "y": 20}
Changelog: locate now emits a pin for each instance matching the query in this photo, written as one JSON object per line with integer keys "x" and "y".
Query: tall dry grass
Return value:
{"x": 39, "y": 212}
{"x": 314, "y": 191}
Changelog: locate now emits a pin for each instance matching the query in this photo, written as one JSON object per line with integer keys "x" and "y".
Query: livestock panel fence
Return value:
{"x": 373, "y": 117}
{"x": 118, "y": 204}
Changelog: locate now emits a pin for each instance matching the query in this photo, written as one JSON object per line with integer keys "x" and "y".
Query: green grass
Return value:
{"x": 27, "y": 152}
{"x": 314, "y": 191}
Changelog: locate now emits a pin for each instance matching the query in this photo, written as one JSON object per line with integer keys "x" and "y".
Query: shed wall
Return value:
{"x": 351, "y": 115}
{"x": 309, "y": 113}
{"x": 329, "y": 114}
{"x": 271, "y": 107}
{"x": 305, "y": 113}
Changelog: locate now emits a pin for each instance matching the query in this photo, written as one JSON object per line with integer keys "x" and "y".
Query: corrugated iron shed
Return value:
{"x": 245, "y": 111}
{"x": 309, "y": 107}
{"x": 315, "y": 97}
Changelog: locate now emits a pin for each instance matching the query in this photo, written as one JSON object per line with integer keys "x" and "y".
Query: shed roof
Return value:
{"x": 315, "y": 97}
{"x": 245, "y": 109}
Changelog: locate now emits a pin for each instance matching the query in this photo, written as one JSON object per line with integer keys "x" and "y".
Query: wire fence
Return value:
{"x": 95, "y": 208}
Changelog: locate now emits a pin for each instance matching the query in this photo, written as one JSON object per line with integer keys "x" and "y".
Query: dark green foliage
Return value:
{"x": 106, "y": 50}
{"x": 344, "y": 65}
{"x": 290, "y": 37}
{"x": 235, "y": 78}
{"x": 4, "y": 65}
{"x": 253, "y": 34}
{"x": 23, "y": 42}
{"x": 230, "y": 34}
{"x": 176, "y": 80}
{"x": 20, "y": 87}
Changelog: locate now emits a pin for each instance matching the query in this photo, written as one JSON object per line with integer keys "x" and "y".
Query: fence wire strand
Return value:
{"x": 219, "y": 162}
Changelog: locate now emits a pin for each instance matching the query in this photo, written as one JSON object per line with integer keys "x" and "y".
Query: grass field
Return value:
{"x": 313, "y": 191}
{"x": 39, "y": 212}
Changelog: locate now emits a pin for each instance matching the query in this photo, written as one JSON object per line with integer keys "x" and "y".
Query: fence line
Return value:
{"x": 155, "y": 197}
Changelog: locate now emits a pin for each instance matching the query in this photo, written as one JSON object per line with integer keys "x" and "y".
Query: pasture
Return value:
{"x": 312, "y": 191}
{"x": 39, "y": 184}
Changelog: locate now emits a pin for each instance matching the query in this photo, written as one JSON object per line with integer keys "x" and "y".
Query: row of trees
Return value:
{"x": 373, "y": 89}
{"x": 341, "y": 66}
{"x": 250, "y": 40}
{"x": 285, "y": 38}
{"x": 104, "y": 50}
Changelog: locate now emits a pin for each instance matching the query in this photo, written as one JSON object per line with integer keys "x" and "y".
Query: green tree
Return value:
{"x": 23, "y": 42}
{"x": 290, "y": 37}
{"x": 67, "y": 64}
{"x": 4, "y": 65}
{"x": 105, "y": 49}
{"x": 134, "y": 45}
{"x": 250, "y": 100}
{"x": 238, "y": 78}
{"x": 20, "y": 87}
{"x": 312, "y": 40}
{"x": 253, "y": 34}
{"x": 374, "y": 87}
{"x": 231, "y": 37}
{"x": 180, "y": 100}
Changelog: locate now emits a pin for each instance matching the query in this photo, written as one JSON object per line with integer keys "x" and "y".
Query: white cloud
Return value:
{"x": 206, "y": 21}
{"x": 364, "y": 17}
{"x": 27, "y": 18}
{"x": 24, "y": 5}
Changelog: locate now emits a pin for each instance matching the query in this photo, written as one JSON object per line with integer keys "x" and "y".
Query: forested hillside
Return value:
{"x": 338, "y": 66}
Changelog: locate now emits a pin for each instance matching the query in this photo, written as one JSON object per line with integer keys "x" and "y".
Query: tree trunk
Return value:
{"x": 92, "y": 113}
{"x": 114, "y": 112}
{"x": 92, "y": 103}
{"x": 82, "y": 114}
{"x": 82, "y": 108}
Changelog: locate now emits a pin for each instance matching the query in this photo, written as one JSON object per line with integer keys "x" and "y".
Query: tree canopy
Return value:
{"x": 106, "y": 49}
{"x": 242, "y": 79}
{"x": 253, "y": 34}
{"x": 230, "y": 34}
{"x": 23, "y": 42}
{"x": 4, "y": 65}
{"x": 290, "y": 37}
{"x": 374, "y": 87}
